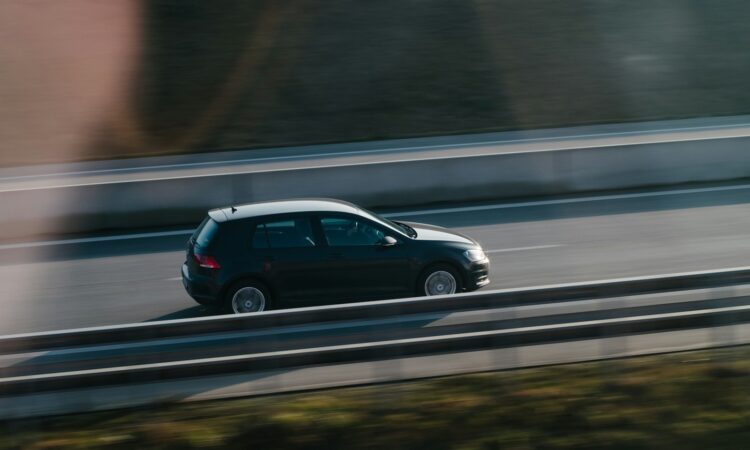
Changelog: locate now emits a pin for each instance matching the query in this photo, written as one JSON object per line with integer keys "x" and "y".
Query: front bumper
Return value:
{"x": 478, "y": 275}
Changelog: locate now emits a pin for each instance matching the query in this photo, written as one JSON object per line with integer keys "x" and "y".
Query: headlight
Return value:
{"x": 474, "y": 255}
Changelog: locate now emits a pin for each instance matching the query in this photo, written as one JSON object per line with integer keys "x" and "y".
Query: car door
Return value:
{"x": 291, "y": 258}
{"x": 359, "y": 265}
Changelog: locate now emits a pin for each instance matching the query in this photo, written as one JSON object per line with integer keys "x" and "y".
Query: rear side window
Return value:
{"x": 290, "y": 233}
{"x": 205, "y": 232}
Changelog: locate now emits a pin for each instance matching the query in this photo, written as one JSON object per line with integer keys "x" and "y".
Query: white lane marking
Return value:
{"x": 569, "y": 200}
{"x": 380, "y": 150}
{"x": 521, "y": 249}
{"x": 174, "y": 279}
{"x": 424, "y": 212}
{"x": 95, "y": 239}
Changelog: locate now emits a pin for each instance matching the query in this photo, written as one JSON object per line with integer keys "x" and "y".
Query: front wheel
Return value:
{"x": 247, "y": 297}
{"x": 439, "y": 280}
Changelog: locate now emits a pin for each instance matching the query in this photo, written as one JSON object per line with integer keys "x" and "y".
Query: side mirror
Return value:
{"x": 388, "y": 241}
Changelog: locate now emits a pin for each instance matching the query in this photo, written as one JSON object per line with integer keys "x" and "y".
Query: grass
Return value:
{"x": 694, "y": 400}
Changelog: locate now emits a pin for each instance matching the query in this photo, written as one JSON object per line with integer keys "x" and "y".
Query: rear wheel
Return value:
{"x": 247, "y": 297}
{"x": 439, "y": 280}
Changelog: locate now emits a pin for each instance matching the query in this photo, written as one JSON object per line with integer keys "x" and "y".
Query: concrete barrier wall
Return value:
{"x": 86, "y": 208}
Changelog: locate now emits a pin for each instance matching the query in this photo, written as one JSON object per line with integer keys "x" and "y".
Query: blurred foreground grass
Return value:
{"x": 695, "y": 400}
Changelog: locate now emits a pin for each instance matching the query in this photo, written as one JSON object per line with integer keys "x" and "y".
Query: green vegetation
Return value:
{"x": 696, "y": 400}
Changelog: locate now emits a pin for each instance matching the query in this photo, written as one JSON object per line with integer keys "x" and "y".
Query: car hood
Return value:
{"x": 427, "y": 232}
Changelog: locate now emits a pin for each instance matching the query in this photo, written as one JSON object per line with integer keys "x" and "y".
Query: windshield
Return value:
{"x": 396, "y": 226}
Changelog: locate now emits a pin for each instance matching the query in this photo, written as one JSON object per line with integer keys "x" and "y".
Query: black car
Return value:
{"x": 309, "y": 252}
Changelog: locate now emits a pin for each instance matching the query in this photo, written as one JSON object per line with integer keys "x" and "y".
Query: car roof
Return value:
{"x": 261, "y": 209}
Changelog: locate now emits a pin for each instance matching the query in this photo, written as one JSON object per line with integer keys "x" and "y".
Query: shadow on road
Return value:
{"x": 187, "y": 313}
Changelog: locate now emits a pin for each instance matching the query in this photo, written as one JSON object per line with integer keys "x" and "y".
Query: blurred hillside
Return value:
{"x": 93, "y": 80}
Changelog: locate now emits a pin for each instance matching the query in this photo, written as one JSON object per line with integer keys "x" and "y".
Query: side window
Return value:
{"x": 344, "y": 231}
{"x": 260, "y": 240}
{"x": 290, "y": 233}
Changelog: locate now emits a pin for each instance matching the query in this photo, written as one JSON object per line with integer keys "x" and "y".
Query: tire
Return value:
{"x": 440, "y": 279}
{"x": 247, "y": 297}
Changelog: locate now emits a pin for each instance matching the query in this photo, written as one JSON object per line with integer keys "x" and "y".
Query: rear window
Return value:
{"x": 205, "y": 232}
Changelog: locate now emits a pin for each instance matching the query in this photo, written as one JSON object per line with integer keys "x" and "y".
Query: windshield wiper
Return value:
{"x": 411, "y": 232}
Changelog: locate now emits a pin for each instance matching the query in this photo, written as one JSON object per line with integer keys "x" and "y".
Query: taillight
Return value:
{"x": 209, "y": 262}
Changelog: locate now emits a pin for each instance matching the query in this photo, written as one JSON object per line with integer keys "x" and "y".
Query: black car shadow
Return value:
{"x": 188, "y": 313}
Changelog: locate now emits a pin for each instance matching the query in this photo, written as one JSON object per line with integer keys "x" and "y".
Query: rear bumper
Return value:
{"x": 202, "y": 289}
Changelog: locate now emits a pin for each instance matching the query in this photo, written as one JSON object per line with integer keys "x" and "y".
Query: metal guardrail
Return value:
{"x": 703, "y": 311}
{"x": 376, "y": 350}
{"x": 372, "y": 310}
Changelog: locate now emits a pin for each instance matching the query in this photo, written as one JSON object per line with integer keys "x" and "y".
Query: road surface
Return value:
{"x": 104, "y": 280}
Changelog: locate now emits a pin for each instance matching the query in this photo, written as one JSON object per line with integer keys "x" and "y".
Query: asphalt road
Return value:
{"x": 47, "y": 286}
